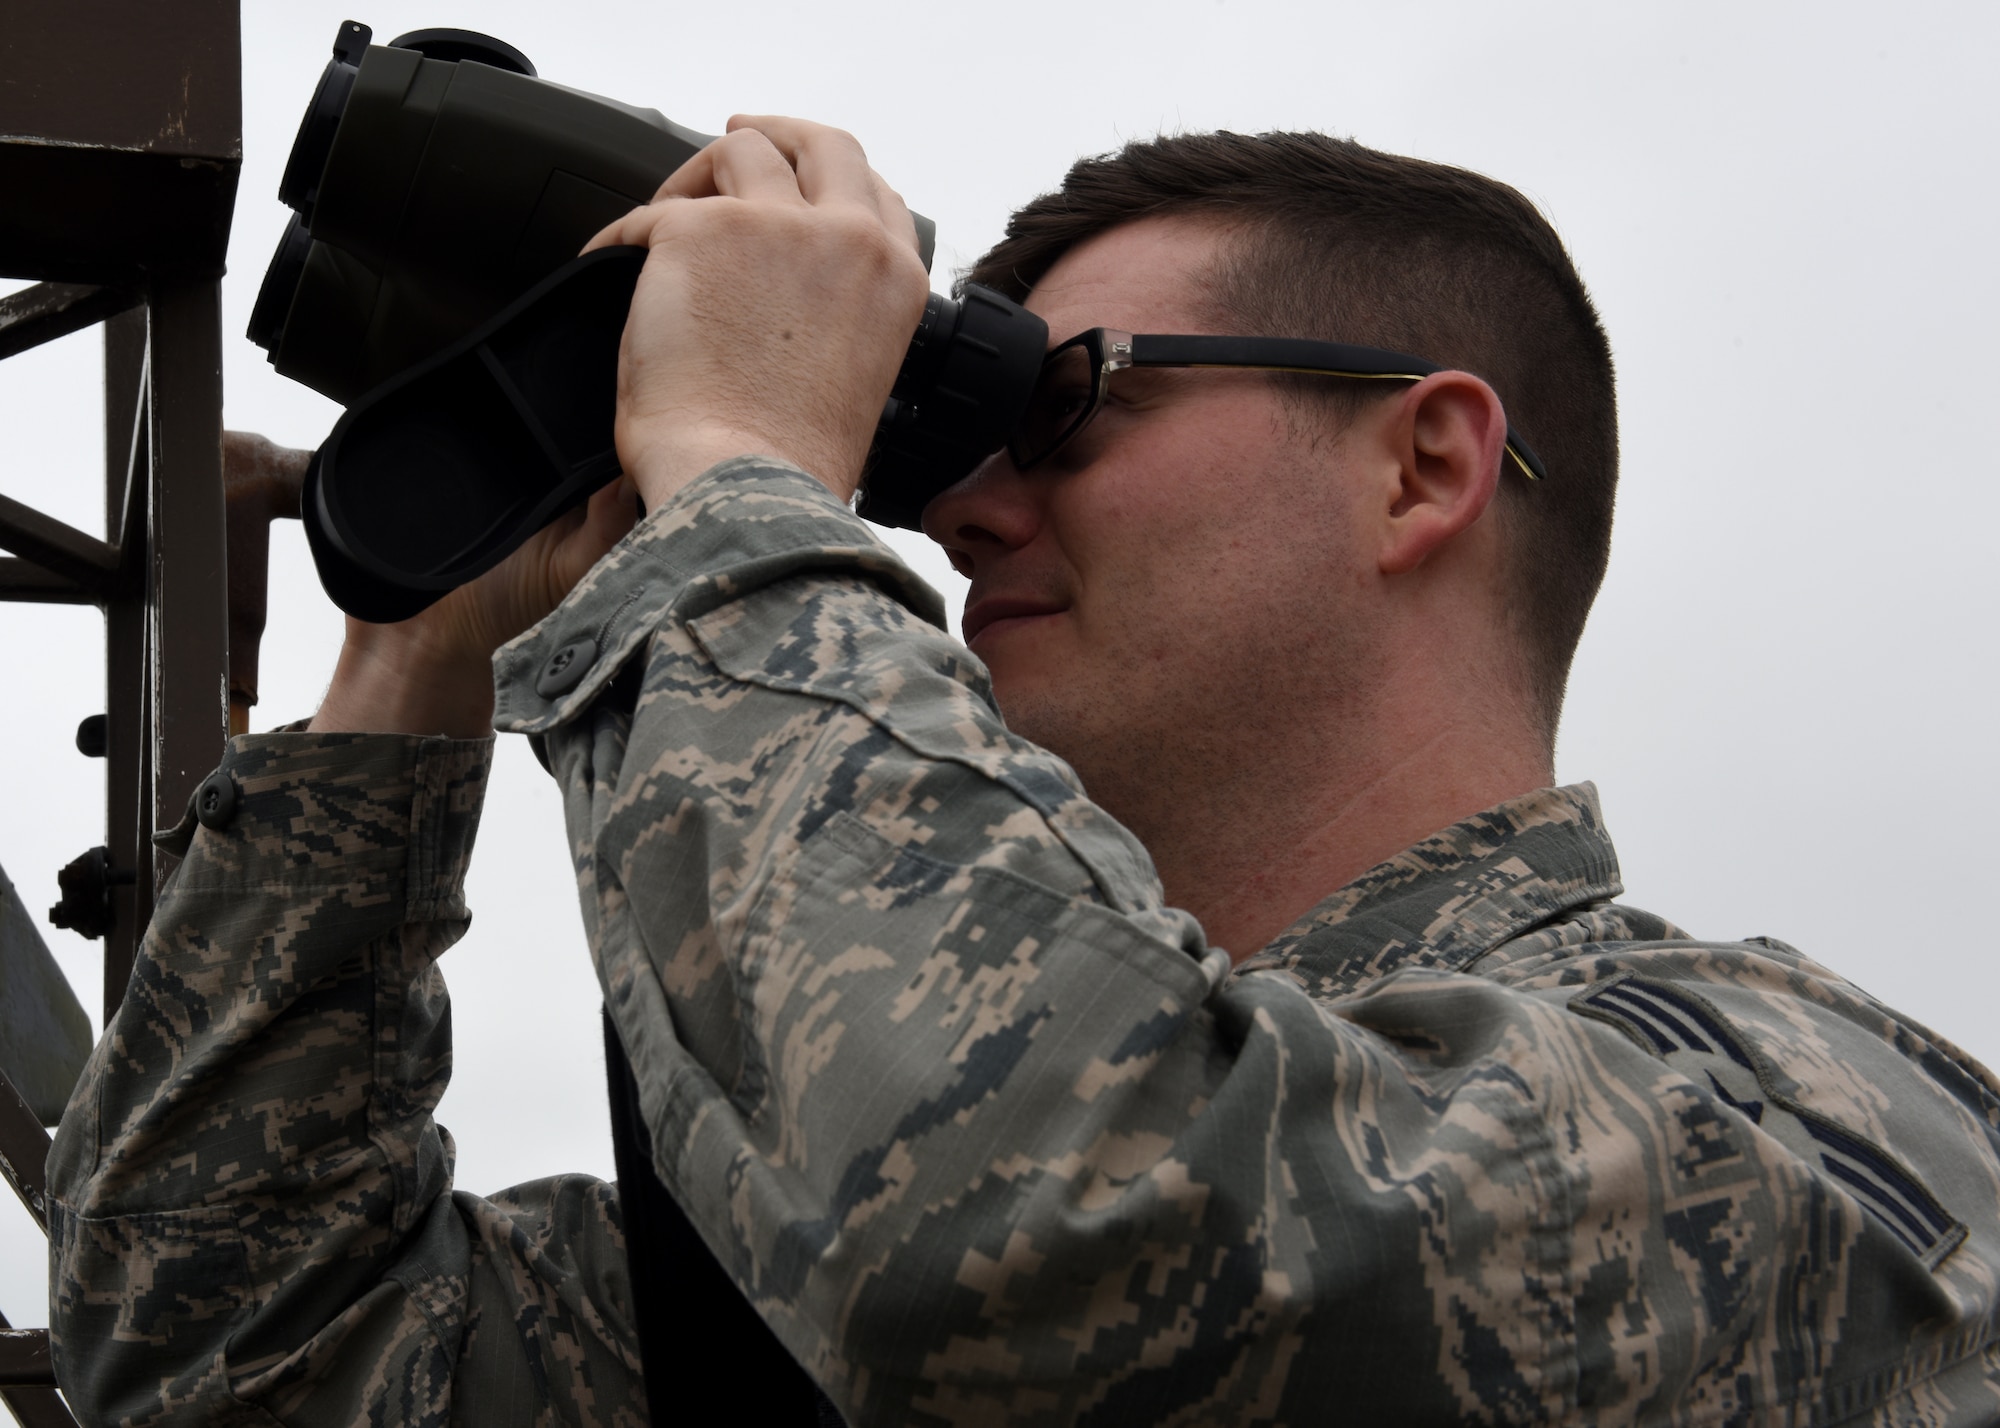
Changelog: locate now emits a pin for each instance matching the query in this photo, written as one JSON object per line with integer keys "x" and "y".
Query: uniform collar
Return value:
{"x": 1450, "y": 899}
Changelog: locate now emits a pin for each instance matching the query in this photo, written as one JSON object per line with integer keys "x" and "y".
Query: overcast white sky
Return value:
{"x": 1786, "y": 213}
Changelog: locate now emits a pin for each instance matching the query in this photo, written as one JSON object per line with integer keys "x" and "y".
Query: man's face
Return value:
{"x": 1174, "y": 578}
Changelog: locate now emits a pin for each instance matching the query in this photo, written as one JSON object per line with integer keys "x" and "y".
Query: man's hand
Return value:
{"x": 780, "y": 293}
{"x": 781, "y": 290}
{"x": 433, "y": 673}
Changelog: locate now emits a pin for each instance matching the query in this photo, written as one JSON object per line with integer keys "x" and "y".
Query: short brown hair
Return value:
{"x": 1346, "y": 243}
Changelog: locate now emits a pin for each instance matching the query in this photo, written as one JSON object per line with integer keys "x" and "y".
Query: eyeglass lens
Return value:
{"x": 1064, "y": 398}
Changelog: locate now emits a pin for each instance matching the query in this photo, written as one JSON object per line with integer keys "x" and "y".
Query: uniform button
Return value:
{"x": 565, "y": 668}
{"x": 215, "y": 801}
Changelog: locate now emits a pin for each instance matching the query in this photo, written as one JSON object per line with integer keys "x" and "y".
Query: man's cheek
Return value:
{"x": 1044, "y": 683}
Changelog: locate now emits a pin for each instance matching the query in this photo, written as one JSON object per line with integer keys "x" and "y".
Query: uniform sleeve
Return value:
{"x": 989, "y": 1135}
{"x": 252, "y": 1216}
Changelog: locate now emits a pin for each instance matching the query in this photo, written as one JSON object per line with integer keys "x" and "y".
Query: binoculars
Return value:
{"x": 428, "y": 281}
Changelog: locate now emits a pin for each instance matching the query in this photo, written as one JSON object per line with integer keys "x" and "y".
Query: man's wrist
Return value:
{"x": 388, "y": 682}
{"x": 661, "y": 469}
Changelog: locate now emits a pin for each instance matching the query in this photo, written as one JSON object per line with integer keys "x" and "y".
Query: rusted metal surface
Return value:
{"x": 261, "y": 482}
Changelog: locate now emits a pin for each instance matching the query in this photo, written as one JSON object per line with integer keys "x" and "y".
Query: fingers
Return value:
{"x": 773, "y": 310}
{"x": 770, "y": 158}
{"x": 537, "y": 577}
{"x": 829, "y": 163}
{"x": 613, "y": 510}
{"x": 741, "y": 164}
{"x": 611, "y": 513}
{"x": 764, "y": 156}
{"x": 832, "y": 168}
{"x": 634, "y": 229}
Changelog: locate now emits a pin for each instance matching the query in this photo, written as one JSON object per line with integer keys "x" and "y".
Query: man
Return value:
{"x": 972, "y": 1105}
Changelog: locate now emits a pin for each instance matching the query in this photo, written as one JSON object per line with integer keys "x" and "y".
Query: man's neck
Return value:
{"x": 1250, "y": 852}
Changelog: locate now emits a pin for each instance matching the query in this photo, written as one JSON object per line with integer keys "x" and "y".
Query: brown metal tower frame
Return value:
{"x": 120, "y": 144}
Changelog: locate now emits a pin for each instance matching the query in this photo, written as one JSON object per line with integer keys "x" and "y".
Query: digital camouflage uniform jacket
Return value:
{"x": 986, "y": 1132}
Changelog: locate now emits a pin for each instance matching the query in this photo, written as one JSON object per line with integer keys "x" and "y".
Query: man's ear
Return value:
{"x": 1449, "y": 433}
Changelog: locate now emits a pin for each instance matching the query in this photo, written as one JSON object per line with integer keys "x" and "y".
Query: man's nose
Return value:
{"x": 994, "y": 509}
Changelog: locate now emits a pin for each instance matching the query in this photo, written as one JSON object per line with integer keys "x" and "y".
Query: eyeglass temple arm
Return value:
{"x": 1306, "y": 355}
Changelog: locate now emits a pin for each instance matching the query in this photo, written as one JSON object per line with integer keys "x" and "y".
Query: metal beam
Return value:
{"x": 50, "y": 310}
{"x": 120, "y": 144}
{"x": 187, "y": 616}
{"x": 23, "y": 580}
{"x": 128, "y": 75}
{"x": 27, "y": 1378}
{"x": 24, "y": 1151}
{"x": 44, "y": 1030}
{"x": 27, "y": 1367}
{"x": 121, "y": 126}
{"x": 56, "y": 547}
{"x": 128, "y": 752}
{"x": 24, "y": 1357}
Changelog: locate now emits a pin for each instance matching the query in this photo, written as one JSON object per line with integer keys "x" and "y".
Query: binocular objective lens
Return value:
{"x": 281, "y": 284}
{"x": 303, "y": 170}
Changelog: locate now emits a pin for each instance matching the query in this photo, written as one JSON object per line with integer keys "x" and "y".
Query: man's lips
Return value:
{"x": 996, "y": 609}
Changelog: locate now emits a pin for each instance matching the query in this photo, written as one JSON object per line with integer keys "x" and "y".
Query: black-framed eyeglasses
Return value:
{"x": 1076, "y": 376}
